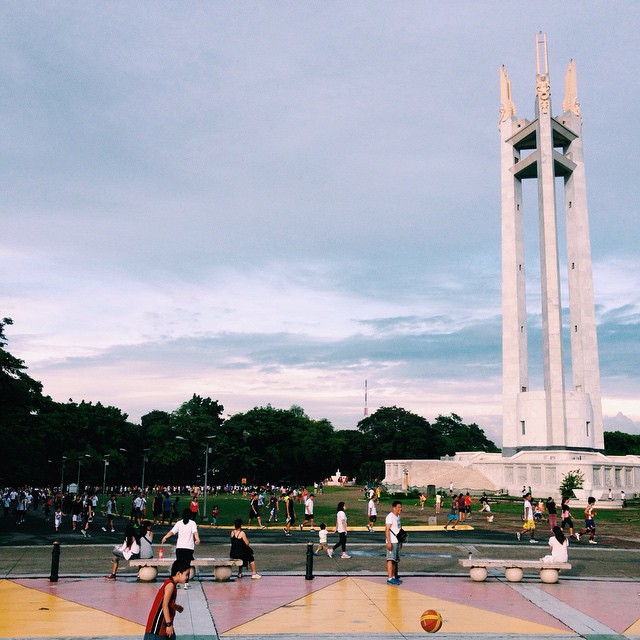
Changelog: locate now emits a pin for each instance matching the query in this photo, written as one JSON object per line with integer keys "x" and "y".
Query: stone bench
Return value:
{"x": 148, "y": 571}
{"x": 514, "y": 569}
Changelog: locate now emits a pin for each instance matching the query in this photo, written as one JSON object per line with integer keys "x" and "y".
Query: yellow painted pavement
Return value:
{"x": 361, "y": 606}
{"x": 29, "y": 613}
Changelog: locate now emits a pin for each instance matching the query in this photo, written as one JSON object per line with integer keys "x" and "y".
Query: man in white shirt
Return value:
{"x": 372, "y": 512}
{"x": 528, "y": 523}
{"x": 392, "y": 528}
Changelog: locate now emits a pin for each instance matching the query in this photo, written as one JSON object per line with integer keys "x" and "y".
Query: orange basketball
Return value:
{"x": 431, "y": 621}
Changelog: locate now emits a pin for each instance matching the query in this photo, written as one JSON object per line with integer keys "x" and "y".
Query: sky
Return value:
{"x": 272, "y": 202}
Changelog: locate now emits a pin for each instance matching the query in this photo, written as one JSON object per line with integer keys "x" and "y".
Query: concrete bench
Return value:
{"x": 514, "y": 569}
{"x": 222, "y": 567}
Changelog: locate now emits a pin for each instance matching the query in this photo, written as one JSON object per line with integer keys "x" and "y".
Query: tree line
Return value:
{"x": 46, "y": 442}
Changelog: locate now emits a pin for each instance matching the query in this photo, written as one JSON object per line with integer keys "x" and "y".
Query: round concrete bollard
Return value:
{"x": 478, "y": 574}
{"x": 549, "y": 576}
{"x": 513, "y": 574}
{"x": 222, "y": 573}
{"x": 147, "y": 574}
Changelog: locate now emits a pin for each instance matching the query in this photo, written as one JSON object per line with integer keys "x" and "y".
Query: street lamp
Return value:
{"x": 206, "y": 469}
{"x": 86, "y": 455}
{"x": 145, "y": 457}
{"x": 206, "y": 473}
{"x": 62, "y": 475}
{"x": 104, "y": 477}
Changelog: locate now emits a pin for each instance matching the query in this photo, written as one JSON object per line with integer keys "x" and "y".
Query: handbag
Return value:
{"x": 402, "y": 536}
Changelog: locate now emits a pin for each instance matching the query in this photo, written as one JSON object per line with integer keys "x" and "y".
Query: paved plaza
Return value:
{"x": 599, "y": 598}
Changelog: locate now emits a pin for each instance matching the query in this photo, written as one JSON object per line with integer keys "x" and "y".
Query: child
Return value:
{"x": 589, "y": 520}
{"x": 164, "y": 607}
{"x": 214, "y": 515}
{"x": 57, "y": 518}
{"x": 559, "y": 547}
{"x": 323, "y": 536}
{"x": 453, "y": 515}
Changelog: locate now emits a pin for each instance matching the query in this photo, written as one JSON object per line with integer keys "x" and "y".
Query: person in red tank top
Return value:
{"x": 164, "y": 607}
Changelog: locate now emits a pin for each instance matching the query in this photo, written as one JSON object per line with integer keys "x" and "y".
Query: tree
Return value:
{"x": 20, "y": 402}
{"x": 454, "y": 436}
{"x": 393, "y": 432}
{"x": 570, "y": 481}
{"x": 617, "y": 443}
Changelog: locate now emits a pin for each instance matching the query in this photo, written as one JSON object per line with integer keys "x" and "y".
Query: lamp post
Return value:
{"x": 145, "y": 457}
{"x": 86, "y": 455}
{"x": 62, "y": 475}
{"x": 206, "y": 473}
{"x": 104, "y": 477}
{"x": 206, "y": 470}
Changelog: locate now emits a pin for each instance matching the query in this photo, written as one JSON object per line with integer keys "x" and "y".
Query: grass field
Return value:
{"x": 507, "y": 510}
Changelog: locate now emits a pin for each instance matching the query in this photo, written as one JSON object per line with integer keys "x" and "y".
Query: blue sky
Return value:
{"x": 272, "y": 202}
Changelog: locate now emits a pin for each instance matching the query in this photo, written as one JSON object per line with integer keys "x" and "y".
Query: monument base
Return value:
{"x": 542, "y": 470}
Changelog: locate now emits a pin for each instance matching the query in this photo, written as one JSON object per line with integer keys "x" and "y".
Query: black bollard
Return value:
{"x": 55, "y": 562}
{"x": 309, "y": 574}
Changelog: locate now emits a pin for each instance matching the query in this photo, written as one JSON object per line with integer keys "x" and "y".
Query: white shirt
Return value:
{"x": 527, "y": 513}
{"x": 396, "y": 525}
{"x": 559, "y": 552}
{"x": 372, "y": 508}
{"x": 341, "y": 522}
{"x": 185, "y": 533}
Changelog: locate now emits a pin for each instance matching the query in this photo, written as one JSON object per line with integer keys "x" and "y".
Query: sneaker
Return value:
{"x": 592, "y": 542}
{"x": 285, "y": 530}
{"x": 104, "y": 529}
{"x": 240, "y": 575}
{"x": 532, "y": 541}
{"x": 577, "y": 536}
{"x": 330, "y": 553}
{"x": 113, "y": 530}
{"x": 83, "y": 532}
{"x": 518, "y": 536}
{"x": 315, "y": 553}
{"x": 263, "y": 527}
{"x": 111, "y": 576}
{"x": 300, "y": 527}
{"x": 255, "y": 576}
{"x": 393, "y": 581}
{"x": 345, "y": 556}
{"x": 185, "y": 585}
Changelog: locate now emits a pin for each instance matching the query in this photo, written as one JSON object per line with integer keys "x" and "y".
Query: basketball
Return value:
{"x": 431, "y": 621}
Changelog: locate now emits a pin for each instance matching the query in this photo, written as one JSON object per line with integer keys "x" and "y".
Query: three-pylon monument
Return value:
{"x": 544, "y": 149}
{"x": 558, "y": 428}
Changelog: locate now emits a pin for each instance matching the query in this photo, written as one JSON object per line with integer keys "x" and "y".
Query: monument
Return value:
{"x": 558, "y": 428}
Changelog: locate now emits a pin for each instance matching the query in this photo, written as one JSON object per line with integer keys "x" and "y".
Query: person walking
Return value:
{"x": 341, "y": 529}
{"x": 112, "y": 509}
{"x": 372, "y": 512}
{"x": 590, "y": 520}
{"x": 528, "y": 523}
{"x": 453, "y": 516}
{"x": 290, "y": 513}
{"x": 254, "y": 511}
{"x": 552, "y": 510}
{"x": 308, "y": 512}
{"x": 323, "y": 537}
{"x": 241, "y": 550}
{"x": 187, "y": 532}
{"x": 567, "y": 520}
{"x": 392, "y": 526}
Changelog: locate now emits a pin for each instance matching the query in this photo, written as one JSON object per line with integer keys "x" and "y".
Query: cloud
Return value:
{"x": 273, "y": 204}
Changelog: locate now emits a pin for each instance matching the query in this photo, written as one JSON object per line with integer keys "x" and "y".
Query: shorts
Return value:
{"x": 394, "y": 554}
{"x": 373, "y": 518}
{"x": 452, "y": 516}
{"x": 590, "y": 524}
{"x": 528, "y": 525}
